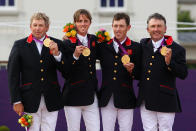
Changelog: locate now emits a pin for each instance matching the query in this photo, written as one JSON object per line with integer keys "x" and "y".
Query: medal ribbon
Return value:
{"x": 80, "y": 43}
{"x": 39, "y": 41}
{"x": 162, "y": 44}
{"x": 123, "y": 51}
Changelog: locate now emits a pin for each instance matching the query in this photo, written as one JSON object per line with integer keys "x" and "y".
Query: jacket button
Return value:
{"x": 62, "y": 62}
{"x": 150, "y": 63}
{"x": 90, "y": 65}
{"x": 42, "y": 70}
{"x": 147, "y": 79}
{"x": 73, "y": 62}
{"x": 149, "y": 71}
{"x": 116, "y": 56}
{"x": 42, "y": 79}
{"x": 41, "y": 61}
{"x": 169, "y": 68}
{"x": 114, "y": 78}
{"x": 152, "y": 57}
{"x": 91, "y": 72}
{"x": 115, "y": 63}
{"x": 115, "y": 71}
{"x": 89, "y": 58}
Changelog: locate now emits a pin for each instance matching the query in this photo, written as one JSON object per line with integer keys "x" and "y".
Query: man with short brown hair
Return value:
{"x": 120, "y": 64}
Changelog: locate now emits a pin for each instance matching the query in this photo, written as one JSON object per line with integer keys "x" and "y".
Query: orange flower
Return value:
{"x": 99, "y": 35}
{"x": 66, "y": 29}
{"x": 71, "y": 26}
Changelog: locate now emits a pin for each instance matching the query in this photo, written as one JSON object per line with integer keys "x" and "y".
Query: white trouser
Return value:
{"x": 90, "y": 115}
{"x": 156, "y": 121}
{"x": 111, "y": 113}
{"x": 43, "y": 119}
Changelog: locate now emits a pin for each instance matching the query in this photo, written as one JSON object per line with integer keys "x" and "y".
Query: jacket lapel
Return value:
{"x": 149, "y": 46}
{"x": 34, "y": 49}
{"x": 110, "y": 47}
{"x": 45, "y": 50}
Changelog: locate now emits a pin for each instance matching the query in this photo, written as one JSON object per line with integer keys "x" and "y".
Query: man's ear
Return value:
{"x": 47, "y": 28}
{"x": 147, "y": 29}
{"x": 129, "y": 27}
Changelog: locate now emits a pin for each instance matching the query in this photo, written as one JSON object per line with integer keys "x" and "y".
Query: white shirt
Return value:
{"x": 39, "y": 45}
{"x": 116, "y": 44}
{"x": 84, "y": 40}
{"x": 157, "y": 44}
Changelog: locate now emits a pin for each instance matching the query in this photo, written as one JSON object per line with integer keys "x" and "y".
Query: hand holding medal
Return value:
{"x": 52, "y": 45}
{"x": 47, "y": 42}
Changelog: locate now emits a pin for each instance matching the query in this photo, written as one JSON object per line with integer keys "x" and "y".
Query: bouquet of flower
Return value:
{"x": 70, "y": 30}
{"x": 25, "y": 120}
{"x": 102, "y": 35}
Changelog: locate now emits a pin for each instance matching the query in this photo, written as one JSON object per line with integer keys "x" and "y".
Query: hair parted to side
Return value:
{"x": 156, "y": 16}
{"x": 119, "y": 16}
{"x": 40, "y": 16}
{"x": 82, "y": 12}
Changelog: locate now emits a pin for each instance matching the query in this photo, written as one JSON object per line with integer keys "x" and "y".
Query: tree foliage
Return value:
{"x": 185, "y": 16}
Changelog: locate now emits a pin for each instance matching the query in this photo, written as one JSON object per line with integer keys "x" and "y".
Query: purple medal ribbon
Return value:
{"x": 162, "y": 44}
{"x": 124, "y": 52}
{"x": 80, "y": 43}
{"x": 39, "y": 41}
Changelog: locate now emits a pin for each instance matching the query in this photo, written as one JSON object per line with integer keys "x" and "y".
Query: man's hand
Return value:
{"x": 79, "y": 49}
{"x": 18, "y": 108}
{"x": 129, "y": 67}
{"x": 168, "y": 56}
{"x": 54, "y": 48}
{"x": 65, "y": 37}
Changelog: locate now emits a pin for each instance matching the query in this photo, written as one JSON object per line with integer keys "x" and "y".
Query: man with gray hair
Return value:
{"x": 32, "y": 75}
{"x": 163, "y": 60}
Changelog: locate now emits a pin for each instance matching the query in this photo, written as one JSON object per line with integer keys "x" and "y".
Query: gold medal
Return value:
{"x": 125, "y": 59}
{"x": 47, "y": 42}
{"x": 163, "y": 51}
{"x": 86, "y": 52}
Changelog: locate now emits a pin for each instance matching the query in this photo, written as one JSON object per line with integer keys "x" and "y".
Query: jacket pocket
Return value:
{"x": 26, "y": 87}
{"x": 77, "y": 82}
{"x": 167, "y": 89}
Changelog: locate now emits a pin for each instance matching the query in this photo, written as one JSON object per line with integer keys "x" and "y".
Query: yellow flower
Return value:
{"x": 68, "y": 34}
{"x": 107, "y": 38}
{"x": 73, "y": 33}
{"x": 106, "y": 33}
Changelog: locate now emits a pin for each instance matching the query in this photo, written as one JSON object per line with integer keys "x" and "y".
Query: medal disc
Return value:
{"x": 163, "y": 50}
{"x": 125, "y": 59}
{"x": 47, "y": 42}
{"x": 86, "y": 52}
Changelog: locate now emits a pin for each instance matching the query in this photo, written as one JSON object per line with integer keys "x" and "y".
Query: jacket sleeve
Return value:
{"x": 138, "y": 59}
{"x": 14, "y": 66}
{"x": 177, "y": 64}
{"x": 67, "y": 61}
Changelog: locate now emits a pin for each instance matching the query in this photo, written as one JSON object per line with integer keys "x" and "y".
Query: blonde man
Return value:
{"x": 32, "y": 76}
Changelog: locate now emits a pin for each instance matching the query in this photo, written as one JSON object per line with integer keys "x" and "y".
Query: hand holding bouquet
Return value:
{"x": 25, "y": 120}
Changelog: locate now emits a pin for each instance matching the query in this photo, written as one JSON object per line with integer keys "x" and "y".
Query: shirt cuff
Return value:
{"x": 58, "y": 58}
{"x": 76, "y": 58}
{"x": 17, "y": 102}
